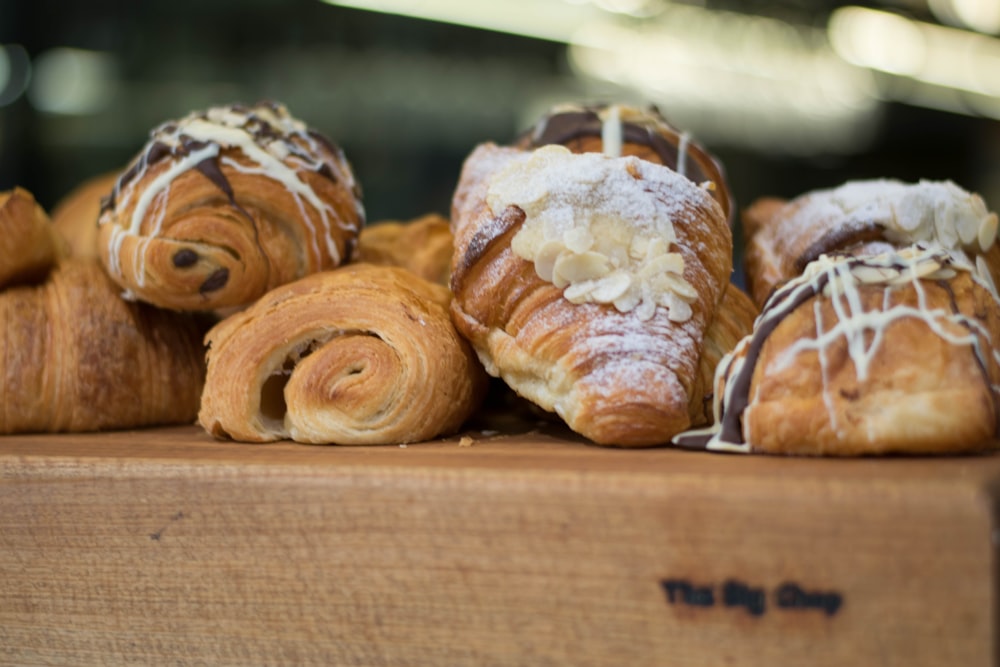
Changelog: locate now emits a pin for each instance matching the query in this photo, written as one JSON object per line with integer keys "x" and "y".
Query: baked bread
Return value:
{"x": 225, "y": 204}
{"x": 623, "y": 129}
{"x": 28, "y": 246}
{"x": 878, "y": 354}
{"x": 422, "y": 246}
{"x": 865, "y": 217}
{"x": 74, "y": 356}
{"x": 74, "y": 217}
{"x": 360, "y": 355}
{"x": 587, "y": 282}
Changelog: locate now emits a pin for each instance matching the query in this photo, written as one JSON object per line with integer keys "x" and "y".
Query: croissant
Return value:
{"x": 423, "y": 246}
{"x": 74, "y": 217}
{"x": 225, "y": 204}
{"x": 621, "y": 129}
{"x": 359, "y": 355}
{"x": 877, "y": 354}
{"x": 28, "y": 247}
{"x": 587, "y": 283}
{"x": 74, "y": 356}
{"x": 864, "y": 217}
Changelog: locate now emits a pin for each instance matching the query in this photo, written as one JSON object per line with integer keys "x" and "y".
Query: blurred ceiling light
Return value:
{"x": 739, "y": 78}
{"x": 73, "y": 81}
{"x": 927, "y": 53}
{"x": 979, "y": 15}
{"x": 553, "y": 20}
{"x": 15, "y": 72}
{"x": 637, "y": 8}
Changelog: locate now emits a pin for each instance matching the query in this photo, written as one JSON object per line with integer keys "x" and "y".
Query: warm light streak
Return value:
{"x": 541, "y": 19}
{"x": 924, "y": 52}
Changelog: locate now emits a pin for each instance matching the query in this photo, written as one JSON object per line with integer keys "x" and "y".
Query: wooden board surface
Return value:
{"x": 166, "y": 547}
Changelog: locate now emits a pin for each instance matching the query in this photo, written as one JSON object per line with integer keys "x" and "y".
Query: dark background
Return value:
{"x": 407, "y": 99}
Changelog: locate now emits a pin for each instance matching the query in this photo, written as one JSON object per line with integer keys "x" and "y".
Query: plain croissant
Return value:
{"x": 77, "y": 357}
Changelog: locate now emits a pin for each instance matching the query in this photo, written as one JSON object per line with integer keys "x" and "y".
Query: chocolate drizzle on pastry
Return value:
{"x": 291, "y": 168}
{"x": 617, "y": 125}
{"x": 268, "y": 124}
{"x": 839, "y": 279}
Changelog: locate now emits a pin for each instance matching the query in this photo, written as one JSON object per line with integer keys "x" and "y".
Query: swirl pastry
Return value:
{"x": 423, "y": 246}
{"x": 28, "y": 247}
{"x": 360, "y": 355}
{"x": 225, "y": 204}
{"x": 587, "y": 283}
{"x": 865, "y": 217}
{"x": 889, "y": 353}
{"x": 74, "y": 356}
{"x": 620, "y": 129}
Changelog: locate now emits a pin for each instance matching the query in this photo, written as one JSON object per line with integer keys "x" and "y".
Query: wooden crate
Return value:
{"x": 165, "y": 547}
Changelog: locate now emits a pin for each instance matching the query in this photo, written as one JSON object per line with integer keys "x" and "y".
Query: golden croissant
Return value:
{"x": 873, "y": 354}
{"x": 225, "y": 204}
{"x": 588, "y": 282}
{"x": 77, "y": 357}
{"x": 362, "y": 354}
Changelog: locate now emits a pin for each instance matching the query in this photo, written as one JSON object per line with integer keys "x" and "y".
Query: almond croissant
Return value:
{"x": 587, "y": 282}
{"x": 225, "y": 204}
{"x": 865, "y": 217}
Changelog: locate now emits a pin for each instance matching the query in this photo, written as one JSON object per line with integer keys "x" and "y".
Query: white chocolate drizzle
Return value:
{"x": 838, "y": 280}
{"x": 595, "y": 230}
{"x": 265, "y": 135}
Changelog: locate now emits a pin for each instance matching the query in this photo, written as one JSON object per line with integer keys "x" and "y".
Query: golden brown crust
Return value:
{"x": 423, "y": 245}
{"x": 613, "y": 378}
{"x": 28, "y": 247}
{"x": 76, "y": 357}
{"x": 74, "y": 217}
{"x": 216, "y": 222}
{"x": 922, "y": 393}
{"x": 731, "y": 322}
{"x": 363, "y": 354}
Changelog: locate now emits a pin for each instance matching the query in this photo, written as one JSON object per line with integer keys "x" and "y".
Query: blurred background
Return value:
{"x": 789, "y": 94}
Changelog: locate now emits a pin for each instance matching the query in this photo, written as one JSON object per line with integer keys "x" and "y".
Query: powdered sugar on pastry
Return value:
{"x": 595, "y": 227}
{"x": 928, "y": 211}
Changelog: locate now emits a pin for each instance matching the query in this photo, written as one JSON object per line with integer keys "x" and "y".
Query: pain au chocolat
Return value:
{"x": 360, "y": 355}
{"x": 586, "y": 277}
{"x": 225, "y": 204}
{"x": 871, "y": 354}
{"x": 879, "y": 327}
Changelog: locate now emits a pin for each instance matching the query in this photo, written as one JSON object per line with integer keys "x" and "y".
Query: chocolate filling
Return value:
{"x": 184, "y": 258}
{"x": 216, "y": 281}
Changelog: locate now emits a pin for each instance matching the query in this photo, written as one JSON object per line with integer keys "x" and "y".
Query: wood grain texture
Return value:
{"x": 165, "y": 547}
